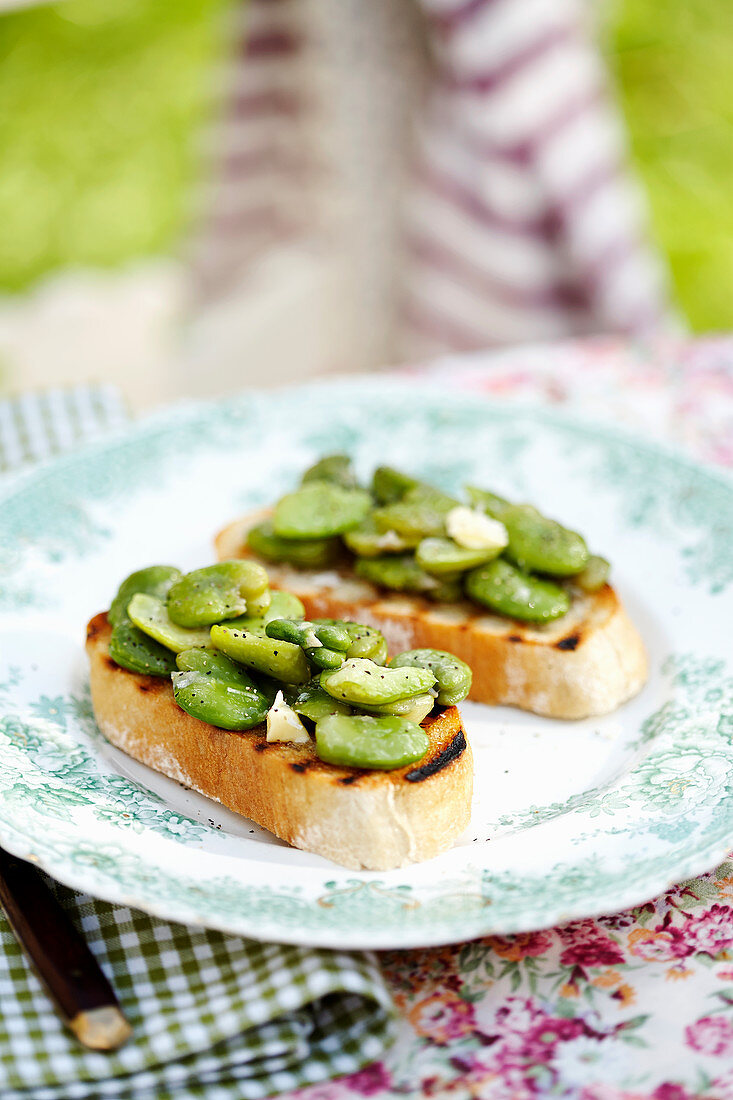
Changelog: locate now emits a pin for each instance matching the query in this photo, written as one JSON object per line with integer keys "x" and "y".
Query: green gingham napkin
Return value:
{"x": 214, "y": 1016}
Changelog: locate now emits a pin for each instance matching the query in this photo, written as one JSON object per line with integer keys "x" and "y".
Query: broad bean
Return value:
{"x": 398, "y": 571}
{"x": 320, "y": 510}
{"x": 155, "y": 580}
{"x": 453, "y": 676}
{"x": 210, "y": 662}
{"x": 419, "y": 514}
{"x": 490, "y": 503}
{"x": 281, "y": 660}
{"x": 322, "y": 657}
{"x": 362, "y": 741}
{"x": 415, "y": 709}
{"x": 223, "y": 702}
{"x": 390, "y": 485}
{"x": 216, "y": 592}
{"x": 313, "y": 702}
{"x": 504, "y": 588}
{"x": 362, "y": 682}
{"x": 448, "y": 589}
{"x": 131, "y": 648}
{"x": 542, "y": 545}
{"x": 151, "y": 616}
{"x": 305, "y": 553}
{"x": 364, "y": 641}
{"x": 367, "y": 541}
{"x": 336, "y": 468}
{"x": 308, "y": 634}
{"x": 595, "y": 574}
{"x": 439, "y": 555}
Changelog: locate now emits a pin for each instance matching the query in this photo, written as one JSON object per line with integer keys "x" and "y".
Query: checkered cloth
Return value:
{"x": 214, "y": 1016}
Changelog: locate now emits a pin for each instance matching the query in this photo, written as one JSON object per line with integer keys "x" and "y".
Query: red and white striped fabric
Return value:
{"x": 519, "y": 217}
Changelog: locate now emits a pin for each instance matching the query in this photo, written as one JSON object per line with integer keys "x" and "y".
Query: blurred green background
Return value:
{"x": 101, "y": 103}
{"x": 672, "y": 62}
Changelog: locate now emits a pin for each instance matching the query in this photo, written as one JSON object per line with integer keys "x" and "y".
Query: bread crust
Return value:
{"x": 361, "y": 819}
{"x": 586, "y": 663}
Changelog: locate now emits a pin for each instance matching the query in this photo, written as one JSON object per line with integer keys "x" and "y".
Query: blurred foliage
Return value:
{"x": 672, "y": 61}
{"x": 99, "y": 106}
{"x": 101, "y": 100}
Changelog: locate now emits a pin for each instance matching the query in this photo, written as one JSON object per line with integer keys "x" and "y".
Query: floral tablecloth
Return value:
{"x": 634, "y": 1006}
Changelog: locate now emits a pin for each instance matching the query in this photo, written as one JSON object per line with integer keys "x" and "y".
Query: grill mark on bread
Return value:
{"x": 571, "y": 642}
{"x": 452, "y": 751}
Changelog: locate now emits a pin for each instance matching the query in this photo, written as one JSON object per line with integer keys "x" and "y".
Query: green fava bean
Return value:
{"x": 223, "y": 591}
{"x": 324, "y": 658}
{"x": 438, "y": 556}
{"x": 506, "y": 589}
{"x": 130, "y": 648}
{"x": 280, "y": 660}
{"x": 419, "y": 514}
{"x": 156, "y": 580}
{"x": 212, "y": 663}
{"x": 314, "y": 703}
{"x": 308, "y": 634}
{"x": 362, "y": 741}
{"x": 225, "y": 703}
{"x": 298, "y": 631}
{"x": 364, "y": 641}
{"x": 490, "y": 503}
{"x": 283, "y": 605}
{"x": 453, "y": 676}
{"x": 399, "y": 571}
{"x": 541, "y": 545}
{"x": 151, "y": 616}
{"x": 368, "y": 541}
{"x": 336, "y": 468}
{"x": 595, "y": 574}
{"x": 335, "y": 635}
{"x": 305, "y": 553}
{"x": 415, "y": 709}
{"x": 390, "y": 485}
{"x": 447, "y": 589}
{"x": 309, "y": 637}
{"x": 319, "y": 510}
{"x": 360, "y": 682}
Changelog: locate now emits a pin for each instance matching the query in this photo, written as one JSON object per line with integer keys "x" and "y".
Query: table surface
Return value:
{"x": 634, "y": 1006}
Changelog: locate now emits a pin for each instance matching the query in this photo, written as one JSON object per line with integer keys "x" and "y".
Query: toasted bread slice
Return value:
{"x": 361, "y": 819}
{"x": 586, "y": 663}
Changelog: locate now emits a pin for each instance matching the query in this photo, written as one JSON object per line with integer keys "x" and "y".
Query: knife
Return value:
{"x": 67, "y": 968}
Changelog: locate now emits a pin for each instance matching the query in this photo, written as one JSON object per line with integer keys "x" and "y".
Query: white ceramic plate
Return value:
{"x": 570, "y": 819}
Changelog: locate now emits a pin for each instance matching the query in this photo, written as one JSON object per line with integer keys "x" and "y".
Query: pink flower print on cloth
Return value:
{"x": 588, "y": 946}
{"x": 711, "y": 1035}
{"x": 711, "y": 931}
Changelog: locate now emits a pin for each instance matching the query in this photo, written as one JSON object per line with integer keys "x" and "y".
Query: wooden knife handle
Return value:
{"x": 72, "y": 976}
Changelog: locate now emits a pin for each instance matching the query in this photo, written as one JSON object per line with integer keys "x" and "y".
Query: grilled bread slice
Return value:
{"x": 586, "y": 663}
{"x": 362, "y": 819}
